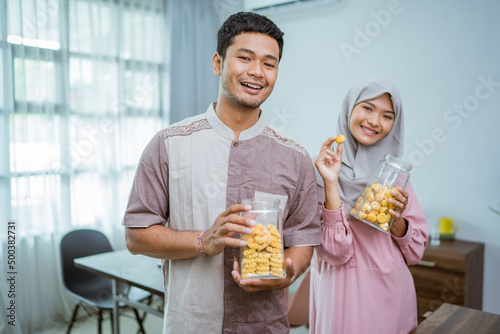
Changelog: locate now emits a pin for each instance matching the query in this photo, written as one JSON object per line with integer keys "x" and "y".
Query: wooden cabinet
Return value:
{"x": 449, "y": 273}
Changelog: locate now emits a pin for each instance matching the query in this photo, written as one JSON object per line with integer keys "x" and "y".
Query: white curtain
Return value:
{"x": 84, "y": 85}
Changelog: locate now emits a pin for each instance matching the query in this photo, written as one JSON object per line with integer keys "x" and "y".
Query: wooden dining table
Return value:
{"x": 451, "y": 319}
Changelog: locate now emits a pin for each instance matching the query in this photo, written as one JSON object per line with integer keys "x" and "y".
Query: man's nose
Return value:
{"x": 255, "y": 69}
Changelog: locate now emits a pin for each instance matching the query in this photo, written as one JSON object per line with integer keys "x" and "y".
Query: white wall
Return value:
{"x": 435, "y": 52}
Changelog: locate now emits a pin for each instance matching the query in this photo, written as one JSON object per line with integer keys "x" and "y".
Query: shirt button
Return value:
{"x": 235, "y": 144}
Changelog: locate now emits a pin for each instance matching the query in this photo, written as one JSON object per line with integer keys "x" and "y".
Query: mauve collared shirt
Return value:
{"x": 190, "y": 173}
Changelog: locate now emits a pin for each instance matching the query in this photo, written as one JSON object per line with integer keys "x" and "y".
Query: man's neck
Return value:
{"x": 237, "y": 119}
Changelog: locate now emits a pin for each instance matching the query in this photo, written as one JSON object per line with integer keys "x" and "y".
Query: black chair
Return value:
{"x": 89, "y": 288}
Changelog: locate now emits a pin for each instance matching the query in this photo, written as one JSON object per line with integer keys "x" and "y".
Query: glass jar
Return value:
{"x": 373, "y": 205}
{"x": 263, "y": 255}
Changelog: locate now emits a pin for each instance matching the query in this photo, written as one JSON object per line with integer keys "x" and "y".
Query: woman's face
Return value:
{"x": 372, "y": 120}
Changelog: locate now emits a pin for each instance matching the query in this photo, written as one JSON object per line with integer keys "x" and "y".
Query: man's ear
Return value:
{"x": 217, "y": 63}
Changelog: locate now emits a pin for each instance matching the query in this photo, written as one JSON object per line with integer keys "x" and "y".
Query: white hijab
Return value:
{"x": 359, "y": 162}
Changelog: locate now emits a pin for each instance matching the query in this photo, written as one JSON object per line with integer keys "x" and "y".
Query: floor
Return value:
{"x": 128, "y": 325}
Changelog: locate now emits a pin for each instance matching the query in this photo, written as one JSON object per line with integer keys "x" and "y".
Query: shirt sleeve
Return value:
{"x": 148, "y": 200}
{"x": 336, "y": 237}
{"x": 414, "y": 242}
{"x": 302, "y": 226}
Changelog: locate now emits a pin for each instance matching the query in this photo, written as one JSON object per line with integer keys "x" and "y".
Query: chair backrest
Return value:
{"x": 298, "y": 303}
{"x": 80, "y": 243}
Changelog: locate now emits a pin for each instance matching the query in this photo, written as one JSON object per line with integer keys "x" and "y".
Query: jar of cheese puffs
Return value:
{"x": 372, "y": 206}
{"x": 262, "y": 257}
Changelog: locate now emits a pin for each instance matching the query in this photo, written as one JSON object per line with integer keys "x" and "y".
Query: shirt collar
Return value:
{"x": 227, "y": 132}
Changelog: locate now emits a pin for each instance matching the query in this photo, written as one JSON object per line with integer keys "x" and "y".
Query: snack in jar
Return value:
{"x": 262, "y": 257}
{"x": 373, "y": 204}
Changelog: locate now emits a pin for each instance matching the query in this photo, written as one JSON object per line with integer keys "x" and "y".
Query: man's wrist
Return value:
{"x": 200, "y": 243}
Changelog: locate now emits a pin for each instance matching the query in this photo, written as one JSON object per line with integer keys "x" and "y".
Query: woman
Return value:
{"x": 360, "y": 282}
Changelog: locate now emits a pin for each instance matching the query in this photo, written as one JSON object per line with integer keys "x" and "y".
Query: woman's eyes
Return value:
{"x": 386, "y": 116}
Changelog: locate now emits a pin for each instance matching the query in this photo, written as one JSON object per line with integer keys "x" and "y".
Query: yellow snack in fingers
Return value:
{"x": 340, "y": 139}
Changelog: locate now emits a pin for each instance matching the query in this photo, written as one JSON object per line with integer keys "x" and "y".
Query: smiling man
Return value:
{"x": 185, "y": 202}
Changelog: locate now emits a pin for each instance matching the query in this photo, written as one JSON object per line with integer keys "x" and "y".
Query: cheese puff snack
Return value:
{"x": 262, "y": 257}
{"x": 340, "y": 139}
{"x": 373, "y": 206}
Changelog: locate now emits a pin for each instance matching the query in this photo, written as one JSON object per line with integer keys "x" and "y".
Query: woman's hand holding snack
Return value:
{"x": 329, "y": 162}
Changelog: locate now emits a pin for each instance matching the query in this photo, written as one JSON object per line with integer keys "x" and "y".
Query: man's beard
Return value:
{"x": 238, "y": 101}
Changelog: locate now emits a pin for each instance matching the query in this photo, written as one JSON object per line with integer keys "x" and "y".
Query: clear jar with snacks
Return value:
{"x": 263, "y": 255}
{"x": 373, "y": 204}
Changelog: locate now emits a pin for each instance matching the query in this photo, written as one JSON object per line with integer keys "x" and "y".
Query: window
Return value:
{"x": 82, "y": 91}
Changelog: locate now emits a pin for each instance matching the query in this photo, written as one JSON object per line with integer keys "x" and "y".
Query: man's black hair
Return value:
{"x": 246, "y": 22}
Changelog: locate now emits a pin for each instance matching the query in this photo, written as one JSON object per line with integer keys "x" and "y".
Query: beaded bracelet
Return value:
{"x": 200, "y": 245}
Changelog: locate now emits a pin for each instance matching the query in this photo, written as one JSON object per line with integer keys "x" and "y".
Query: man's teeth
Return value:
{"x": 251, "y": 86}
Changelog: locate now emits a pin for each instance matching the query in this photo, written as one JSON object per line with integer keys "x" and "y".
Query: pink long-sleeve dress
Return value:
{"x": 360, "y": 282}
